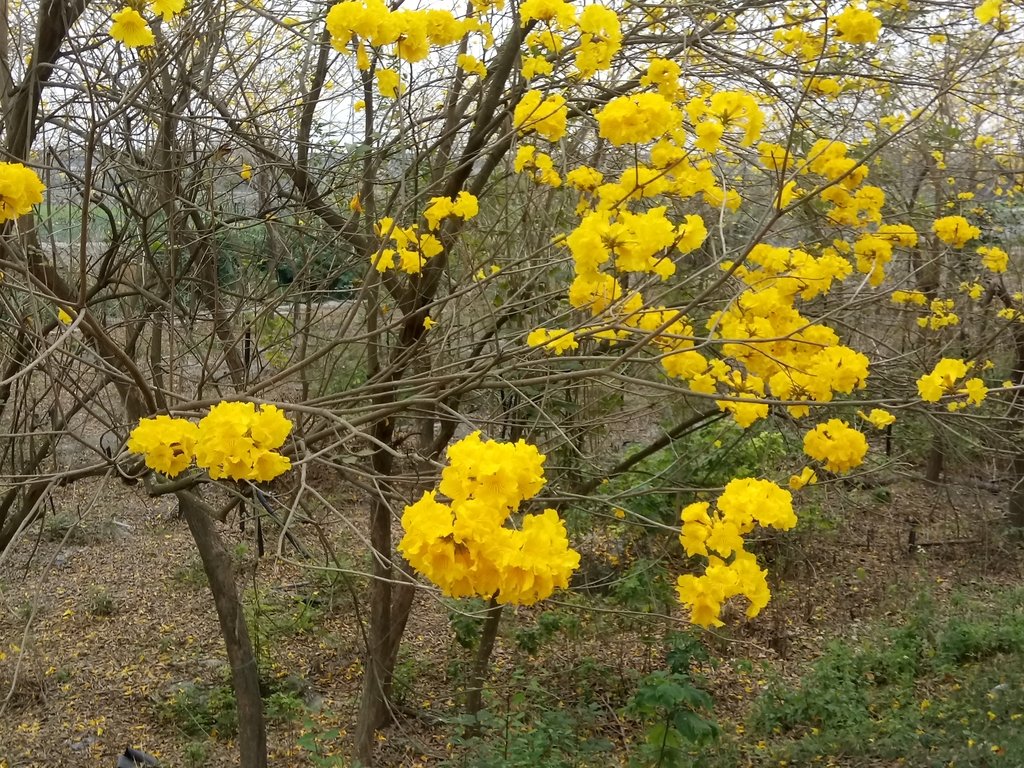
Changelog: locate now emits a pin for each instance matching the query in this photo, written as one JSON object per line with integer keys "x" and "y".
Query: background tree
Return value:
{"x": 602, "y": 229}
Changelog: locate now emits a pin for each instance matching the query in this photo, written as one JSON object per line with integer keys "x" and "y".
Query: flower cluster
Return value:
{"x": 944, "y": 380}
{"x": 775, "y": 342}
{"x": 412, "y": 247}
{"x": 717, "y": 533}
{"x": 235, "y": 441}
{"x": 838, "y": 445}
{"x": 909, "y": 297}
{"x": 991, "y": 12}
{"x": 131, "y": 28}
{"x": 168, "y": 444}
{"x": 405, "y": 34}
{"x": 857, "y": 26}
{"x": 539, "y": 165}
{"x": 556, "y": 340}
{"x": 466, "y": 547}
{"x": 637, "y": 119}
{"x": 879, "y": 418}
{"x": 993, "y": 258}
{"x": 955, "y": 230}
{"x": 942, "y": 315}
{"x": 806, "y": 477}
{"x": 545, "y": 115}
{"x": 20, "y": 189}
{"x": 411, "y": 32}
{"x": 600, "y": 34}
{"x": 722, "y": 111}
{"x": 465, "y": 206}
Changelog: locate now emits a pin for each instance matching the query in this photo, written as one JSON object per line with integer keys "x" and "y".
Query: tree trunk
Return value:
{"x": 1016, "y": 506}
{"x": 390, "y": 605}
{"x": 936, "y": 459}
{"x": 252, "y": 736}
{"x": 481, "y": 664}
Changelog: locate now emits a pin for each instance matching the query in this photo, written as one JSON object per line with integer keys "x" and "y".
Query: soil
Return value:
{"x": 104, "y": 617}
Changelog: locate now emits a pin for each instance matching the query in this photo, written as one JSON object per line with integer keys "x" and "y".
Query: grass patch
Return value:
{"x": 947, "y": 690}
{"x": 191, "y": 574}
{"x": 210, "y": 711}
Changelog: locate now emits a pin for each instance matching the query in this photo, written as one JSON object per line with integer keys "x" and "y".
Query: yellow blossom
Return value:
{"x": 237, "y": 440}
{"x": 471, "y": 65}
{"x": 167, "y": 8}
{"x": 878, "y": 417}
{"x": 955, "y": 230}
{"x": 131, "y": 29}
{"x": 993, "y": 258}
{"x": 989, "y": 11}
{"x": 20, "y": 189}
{"x": 806, "y": 477}
{"x": 544, "y": 114}
{"x": 942, "y": 379}
{"x": 465, "y": 547}
{"x": 388, "y": 83}
{"x": 557, "y": 340}
{"x": 637, "y": 118}
{"x": 857, "y": 26}
{"x": 838, "y": 445}
{"x": 168, "y": 444}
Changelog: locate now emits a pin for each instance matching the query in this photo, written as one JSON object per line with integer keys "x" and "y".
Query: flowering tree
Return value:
{"x": 518, "y": 205}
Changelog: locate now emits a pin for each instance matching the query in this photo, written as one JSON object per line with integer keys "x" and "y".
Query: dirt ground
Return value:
{"x": 104, "y": 615}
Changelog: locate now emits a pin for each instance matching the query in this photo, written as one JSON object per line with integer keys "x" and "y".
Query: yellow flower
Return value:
{"x": 909, "y": 297}
{"x": 942, "y": 380}
{"x": 558, "y": 11}
{"x": 167, "y": 8}
{"x": 237, "y": 441}
{"x": 838, "y": 445}
{"x": 545, "y": 115}
{"x": 993, "y": 258}
{"x": 637, "y": 118}
{"x": 806, "y": 477}
{"x": 168, "y": 444}
{"x": 471, "y": 65}
{"x": 388, "y": 83}
{"x": 428, "y": 323}
{"x": 955, "y": 230}
{"x": 989, "y": 11}
{"x": 465, "y": 206}
{"x": 131, "y": 29}
{"x": 20, "y": 189}
{"x": 696, "y": 528}
{"x": 975, "y": 390}
{"x": 664, "y": 74}
{"x": 64, "y": 317}
{"x": 705, "y": 530}
{"x": 857, "y": 26}
{"x": 466, "y": 548}
{"x": 878, "y": 417}
{"x": 584, "y": 178}
{"x": 534, "y": 66}
{"x": 557, "y": 340}
{"x": 246, "y": 172}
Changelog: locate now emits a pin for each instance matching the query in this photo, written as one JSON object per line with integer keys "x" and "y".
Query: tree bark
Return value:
{"x": 481, "y": 664}
{"x": 252, "y": 736}
{"x": 936, "y": 460}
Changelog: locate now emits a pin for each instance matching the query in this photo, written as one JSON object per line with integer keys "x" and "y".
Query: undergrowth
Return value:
{"x": 934, "y": 691}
